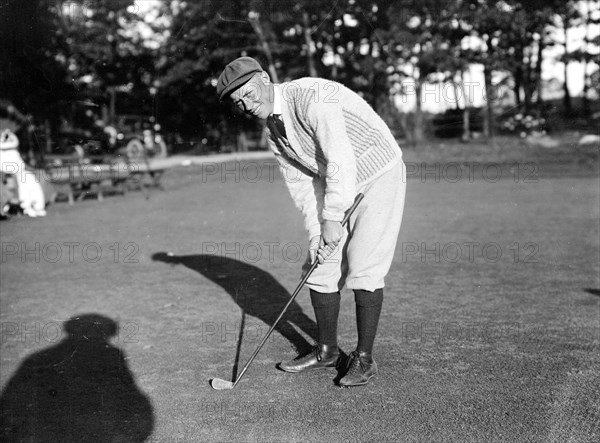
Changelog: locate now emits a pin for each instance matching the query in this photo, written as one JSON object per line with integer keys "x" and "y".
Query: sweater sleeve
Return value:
{"x": 327, "y": 120}
{"x": 306, "y": 191}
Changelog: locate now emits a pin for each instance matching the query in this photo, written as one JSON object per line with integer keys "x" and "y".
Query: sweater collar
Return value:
{"x": 277, "y": 100}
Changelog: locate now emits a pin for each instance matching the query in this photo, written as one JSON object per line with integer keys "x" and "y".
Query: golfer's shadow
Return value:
{"x": 255, "y": 291}
{"x": 79, "y": 390}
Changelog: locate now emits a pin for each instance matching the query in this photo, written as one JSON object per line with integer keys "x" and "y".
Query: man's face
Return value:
{"x": 255, "y": 97}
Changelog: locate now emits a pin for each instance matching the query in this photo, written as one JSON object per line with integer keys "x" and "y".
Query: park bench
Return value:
{"x": 146, "y": 170}
{"x": 143, "y": 173}
{"x": 76, "y": 180}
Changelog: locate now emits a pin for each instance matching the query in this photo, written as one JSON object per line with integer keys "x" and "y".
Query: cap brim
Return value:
{"x": 237, "y": 83}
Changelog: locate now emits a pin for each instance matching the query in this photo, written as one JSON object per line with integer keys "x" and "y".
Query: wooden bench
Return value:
{"x": 76, "y": 181}
{"x": 143, "y": 174}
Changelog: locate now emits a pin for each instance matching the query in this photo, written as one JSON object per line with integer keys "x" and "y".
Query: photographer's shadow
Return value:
{"x": 80, "y": 390}
{"x": 255, "y": 291}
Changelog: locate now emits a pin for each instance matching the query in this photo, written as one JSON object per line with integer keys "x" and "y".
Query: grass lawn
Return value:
{"x": 490, "y": 329}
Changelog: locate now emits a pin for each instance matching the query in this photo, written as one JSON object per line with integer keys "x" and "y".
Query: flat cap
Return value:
{"x": 236, "y": 74}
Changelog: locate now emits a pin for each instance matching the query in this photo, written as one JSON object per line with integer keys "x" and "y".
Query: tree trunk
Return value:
{"x": 518, "y": 75}
{"x": 112, "y": 107}
{"x": 48, "y": 135}
{"x": 456, "y": 93}
{"x": 466, "y": 135}
{"x": 405, "y": 125}
{"x": 527, "y": 87}
{"x": 489, "y": 98}
{"x": 334, "y": 70}
{"x": 310, "y": 46}
{"x": 538, "y": 72}
{"x": 418, "y": 123}
{"x": 517, "y": 88}
{"x": 567, "y": 97}
{"x": 586, "y": 78}
{"x": 254, "y": 19}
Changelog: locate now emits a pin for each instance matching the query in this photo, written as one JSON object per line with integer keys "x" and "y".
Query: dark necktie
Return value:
{"x": 277, "y": 122}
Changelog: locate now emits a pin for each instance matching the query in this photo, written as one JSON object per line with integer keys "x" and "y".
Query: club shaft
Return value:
{"x": 349, "y": 212}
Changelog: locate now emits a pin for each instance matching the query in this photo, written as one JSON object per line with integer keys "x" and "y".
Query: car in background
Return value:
{"x": 131, "y": 137}
{"x": 136, "y": 136}
{"x": 78, "y": 147}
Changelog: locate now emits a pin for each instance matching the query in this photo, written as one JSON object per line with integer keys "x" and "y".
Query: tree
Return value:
{"x": 203, "y": 38}
{"x": 568, "y": 15}
{"x": 586, "y": 59}
{"x": 339, "y": 42}
{"x": 34, "y": 72}
{"x": 452, "y": 58}
{"x": 490, "y": 23}
{"x": 418, "y": 47}
{"x": 589, "y": 17}
{"x": 72, "y": 51}
{"x": 343, "y": 42}
{"x": 107, "y": 54}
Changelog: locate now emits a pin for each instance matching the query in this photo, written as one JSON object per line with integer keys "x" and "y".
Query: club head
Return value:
{"x": 219, "y": 385}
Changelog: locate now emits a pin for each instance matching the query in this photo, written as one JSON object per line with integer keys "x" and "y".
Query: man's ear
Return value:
{"x": 265, "y": 78}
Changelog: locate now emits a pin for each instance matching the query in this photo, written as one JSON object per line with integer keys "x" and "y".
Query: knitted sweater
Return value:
{"x": 335, "y": 145}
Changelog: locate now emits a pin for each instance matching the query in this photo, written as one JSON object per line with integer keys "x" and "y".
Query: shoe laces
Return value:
{"x": 317, "y": 351}
{"x": 355, "y": 363}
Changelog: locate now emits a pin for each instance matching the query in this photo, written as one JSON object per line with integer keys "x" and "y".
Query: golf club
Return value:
{"x": 221, "y": 384}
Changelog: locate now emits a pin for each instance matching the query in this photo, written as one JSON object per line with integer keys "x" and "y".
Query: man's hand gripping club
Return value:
{"x": 322, "y": 246}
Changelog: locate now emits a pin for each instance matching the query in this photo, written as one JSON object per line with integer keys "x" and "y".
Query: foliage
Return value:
{"x": 77, "y": 50}
{"x": 32, "y": 71}
{"x": 524, "y": 125}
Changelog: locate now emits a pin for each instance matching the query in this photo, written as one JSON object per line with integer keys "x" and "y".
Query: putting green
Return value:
{"x": 489, "y": 331}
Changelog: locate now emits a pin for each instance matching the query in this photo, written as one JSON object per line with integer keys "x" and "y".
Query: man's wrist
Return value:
{"x": 333, "y": 216}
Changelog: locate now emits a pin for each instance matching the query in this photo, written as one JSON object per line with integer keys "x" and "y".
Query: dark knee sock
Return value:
{"x": 327, "y": 309}
{"x": 368, "y": 309}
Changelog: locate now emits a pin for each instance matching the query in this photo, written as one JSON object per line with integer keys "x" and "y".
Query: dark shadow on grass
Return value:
{"x": 79, "y": 390}
{"x": 595, "y": 292}
{"x": 255, "y": 291}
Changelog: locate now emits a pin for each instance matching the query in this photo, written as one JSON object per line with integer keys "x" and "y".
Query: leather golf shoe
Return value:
{"x": 319, "y": 357}
{"x": 361, "y": 367}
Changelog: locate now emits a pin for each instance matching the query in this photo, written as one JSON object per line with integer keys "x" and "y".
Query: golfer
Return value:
{"x": 331, "y": 145}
